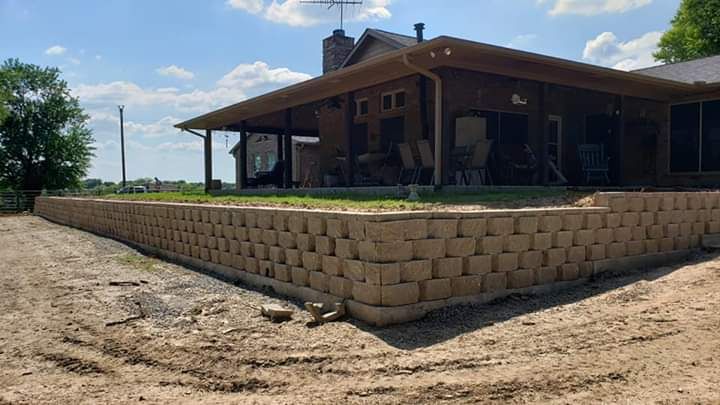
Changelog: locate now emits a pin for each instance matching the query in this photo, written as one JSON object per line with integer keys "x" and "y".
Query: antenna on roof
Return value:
{"x": 332, "y": 3}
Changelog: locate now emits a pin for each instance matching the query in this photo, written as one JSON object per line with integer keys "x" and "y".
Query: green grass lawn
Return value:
{"x": 348, "y": 202}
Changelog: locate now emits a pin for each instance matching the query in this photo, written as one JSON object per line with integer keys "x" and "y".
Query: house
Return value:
{"x": 657, "y": 126}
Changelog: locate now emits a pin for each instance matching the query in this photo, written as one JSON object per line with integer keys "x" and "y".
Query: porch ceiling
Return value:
{"x": 464, "y": 54}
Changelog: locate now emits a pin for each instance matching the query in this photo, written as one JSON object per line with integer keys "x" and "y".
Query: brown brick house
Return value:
{"x": 657, "y": 126}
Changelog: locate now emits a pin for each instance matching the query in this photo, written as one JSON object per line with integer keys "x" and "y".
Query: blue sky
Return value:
{"x": 168, "y": 60}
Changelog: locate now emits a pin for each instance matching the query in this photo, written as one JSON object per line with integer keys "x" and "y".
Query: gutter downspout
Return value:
{"x": 438, "y": 114}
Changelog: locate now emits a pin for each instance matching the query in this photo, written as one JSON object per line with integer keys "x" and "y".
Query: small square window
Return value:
{"x": 361, "y": 107}
{"x": 387, "y": 102}
{"x": 400, "y": 99}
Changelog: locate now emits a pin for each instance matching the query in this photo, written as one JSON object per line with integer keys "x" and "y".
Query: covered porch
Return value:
{"x": 420, "y": 115}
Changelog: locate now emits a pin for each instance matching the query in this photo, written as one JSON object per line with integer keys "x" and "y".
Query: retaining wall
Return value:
{"x": 395, "y": 267}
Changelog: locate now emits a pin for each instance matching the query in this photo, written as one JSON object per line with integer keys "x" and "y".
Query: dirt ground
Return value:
{"x": 653, "y": 337}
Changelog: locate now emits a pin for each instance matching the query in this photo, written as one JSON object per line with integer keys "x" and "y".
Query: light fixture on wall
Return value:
{"x": 517, "y": 100}
{"x": 447, "y": 52}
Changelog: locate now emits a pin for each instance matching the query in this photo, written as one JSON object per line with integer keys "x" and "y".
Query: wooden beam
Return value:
{"x": 287, "y": 180}
{"x": 543, "y": 132}
{"x": 243, "y": 156}
{"x": 207, "y": 149}
{"x": 312, "y": 133}
{"x": 619, "y": 115}
{"x": 349, "y": 124}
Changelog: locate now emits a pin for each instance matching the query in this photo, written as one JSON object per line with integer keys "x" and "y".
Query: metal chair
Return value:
{"x": 479, "y": 163}
{"x": 409, "y": 166}
{"x": 427, "y": 161}
{"x": 595, "y": 165}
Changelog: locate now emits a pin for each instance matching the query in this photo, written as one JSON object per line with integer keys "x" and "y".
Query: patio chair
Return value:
{"x": 409, "y": 167}
{"x": 479, "y": 163}
{"x": 595, "y": 165}
{"x": 427, "y": 161}
{"x": 272, "y": 178}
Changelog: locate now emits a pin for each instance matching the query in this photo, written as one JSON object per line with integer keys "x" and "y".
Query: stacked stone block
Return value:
{"x": 394, "y": 260}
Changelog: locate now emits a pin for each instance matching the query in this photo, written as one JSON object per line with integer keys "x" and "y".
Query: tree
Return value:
{"x": 695, "y": 32}
{"x": 44, "y": 140}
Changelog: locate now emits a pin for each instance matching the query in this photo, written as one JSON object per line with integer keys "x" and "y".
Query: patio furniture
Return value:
{"x": 409, "y": 166}
{"x": 272, "y": 178}
{"x": 479, "y": 163}
{"x": 519, "y": 164}
{"x": 427, "y": 161}
{"x": 595, "y": 165}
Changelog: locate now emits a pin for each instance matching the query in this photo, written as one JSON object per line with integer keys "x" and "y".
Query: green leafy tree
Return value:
{"x": 695, "y": 32}
{"x": 44, "y": 139}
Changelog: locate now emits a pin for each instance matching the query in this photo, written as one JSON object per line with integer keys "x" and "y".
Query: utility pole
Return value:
{"x": 122, "y": 143}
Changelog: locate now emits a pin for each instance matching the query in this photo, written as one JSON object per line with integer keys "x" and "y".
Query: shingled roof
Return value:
{"x": 699, "y": 70}
{"x": 392, "y": 40}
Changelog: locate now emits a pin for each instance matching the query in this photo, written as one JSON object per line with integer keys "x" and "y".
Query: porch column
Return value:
{"x": 287, "y": 183}
{"x": 349, "y": 124}
{"x": 207, "y": 149}
{"x": 243, "y": 156}
{"x": 280, "y": 148}
{"x": 619, "y": 115}
{"x": 543, "y": 132}
{"x": 447, "y": 136}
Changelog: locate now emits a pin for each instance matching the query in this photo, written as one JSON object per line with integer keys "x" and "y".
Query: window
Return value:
{"x": 695, "y": 137}
{"x": 361, "y": 107}
{"x": 393, "y": 100}
{"x": 271, "y": 160}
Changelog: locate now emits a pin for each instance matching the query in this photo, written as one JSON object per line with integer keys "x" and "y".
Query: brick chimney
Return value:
{"x": 335, "y": 49}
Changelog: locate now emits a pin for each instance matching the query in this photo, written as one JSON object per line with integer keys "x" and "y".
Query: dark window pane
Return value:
{"x": 513, "y": 129}
{"x": 493, "y": 123}
{"x": 387, "y": 102}
{"x": 711, "y": 136}
{"x": 400, "y": 99}
{"x": 364, "y": 107}
{"x": 684, "y": 138}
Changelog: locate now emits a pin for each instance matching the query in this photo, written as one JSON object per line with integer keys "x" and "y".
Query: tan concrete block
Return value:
{"x": 573, "y": 222}
{"x": 613, "y": 220}
{"x": 568, "y": 272}
{"x": 282, "y": 272}
{"x": 195, "y": 251}
{"x": 319, "y": 281}
{"x": 490, "y": 245}
{"x": 356, "y": 229}
{"x": 526, "y": 225}
{"x": 593, "y": 221}
{"x": 340, "y": 287}
{"x": 685, "y": 229}
{"x": 622, "y": 234}
{"x": 266, "y": 268}
{"x": 576, "y": 254}
{"x": 459, "y": 247}
{"x": 663, "y": 217}
{"x": 280, "y": 222}
{"x": 541, "y": 241}
{"x": 584, "y": 237}
{"x": 672, "y": 230}
{"x": 647, "y": 218}
{"x": 636, "y": 204}
{"x": 677, "y": 216}
{"x": 530, "y": 260}
{"x": 517, "y": 243}
{"x": 667, "y": 244}
{"x": 238, "y": 262}
{"x": 228, "y": 232}
{"x": 712, "y": 227}
{"x": 618, "y": 205}
{"x": 430, "y": 248}
{"x": 247, "y": 249}
{"x": 478, "y": 265}
{"x": 694, "y": 202}
{"x": 546, "y": 275}
{"x": 639, "y": 233}
{"x": 223, "y": 245}
{"x": 346, "y": 248}
{"x": 493, "y": 282}
{"x": 311, "y": 261}
{"x": 215, "y": 217}
{"x": 652, "y": 246}
{"x": 287, "y": 240}
{"x": 260, "y": 251}
{"x": 636, "y": 248}
{"x": 305, "y": 242}
{"x": 417, "y": 270}
{"x": 297, "y": 224}
{"x": 500, "y": 226}
{"x": 212, "y": 242}
{"x": 270, "y": 237}
{"x": 324, "y": 245}
{"x": 473, "y": 228}
{"x": 682, "y": 243}
{"x": 276, "y": 254}
{"x": 205, "y": 254}
{"x": 563, "y": 239}
{"x": 703, "y": 216}
{"x": 385, "y": 252}
{"x": 436, "y": 289}
{"x": 255, "y": 235}
{"x": 690, "y": 216}
{"x": 549, "y": 223}
{"x": 596, "y": 252}
{"x": 332, "y": 265}
{"x": 630, "y": 219}
{"x": 238, "y": 219}
{"x": 466, "y": 285}
{"x": 207, "y": 229}
{"x": 698, "y": 228}
{"x": 400, "y": 294}
{"x": 385, "y": 231}
{"x": 293, "y": 257}
{"x": 215, "y": 256}
{"x": 382, "y": 273}
{"x": 616, "y": 250}
{"x": 652, "y": 204}
{"x": 520, "y": 279}
{"x": 667, "y": 203}
{"x": 655, "y": 232}
{"x": 218, "y": 230}
{"x": 242, "y": 234}
{"x": 447, "y": 267}
{"x": 264, "y": 220}
{"x": 367, "y": 293}
{"x": 316, "y": 225}
{"x": 504, "y": 262}
{"x": 554, "y": 257}
{"x": 442, "y": 228}
{"x": 354, "y": 270}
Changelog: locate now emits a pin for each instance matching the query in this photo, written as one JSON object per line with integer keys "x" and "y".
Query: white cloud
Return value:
{"x": 74, "y": 61}
{"x": 296, "y": 14}
{"x": 607, "y": 50}
{"x": 259, "y": 73}
{"x": 251, "y": 6}
{"x": 175, "y": 71}
{"x": 56, "y": 50}
{"x": 522, "y": 41}
{"x": 593, "y": 7}
{"x": 98, "y": 57}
